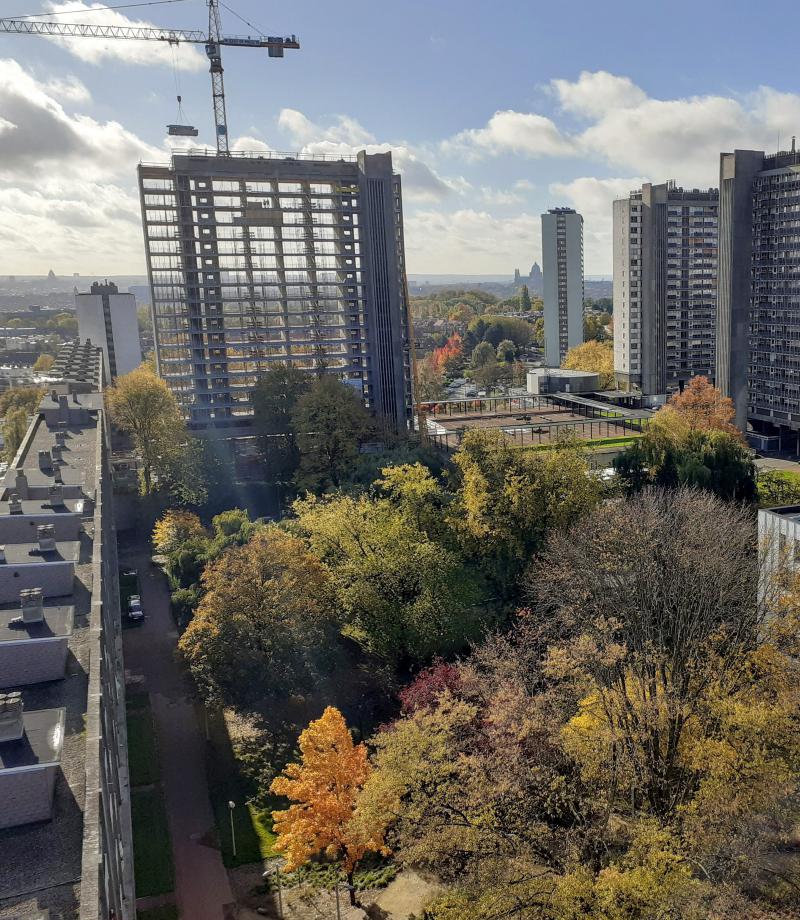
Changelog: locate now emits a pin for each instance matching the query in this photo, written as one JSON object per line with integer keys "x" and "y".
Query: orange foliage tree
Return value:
{"x": 703, "y": 407}
{"x": 449, "y": 354}
{"x": 324, "y": 786}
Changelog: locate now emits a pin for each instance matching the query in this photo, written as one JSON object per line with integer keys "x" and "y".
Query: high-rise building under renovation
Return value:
{"x": 562, "y": 260}
{"x": 758, "y": 354}
{"x": 665, "y": 277}
{"x": 255, "y": 260}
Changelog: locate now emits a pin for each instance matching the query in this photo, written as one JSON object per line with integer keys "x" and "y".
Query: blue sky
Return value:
{"x": 494, "y": 111}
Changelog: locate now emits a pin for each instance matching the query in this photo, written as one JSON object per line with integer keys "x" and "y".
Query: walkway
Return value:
{"x": 202, "y": 888}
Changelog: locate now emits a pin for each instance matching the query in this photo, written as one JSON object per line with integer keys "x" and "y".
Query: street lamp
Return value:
{"x": 276, "y": 871}
{"x": 336, "y": 889}
{"x": 231, "y": 806}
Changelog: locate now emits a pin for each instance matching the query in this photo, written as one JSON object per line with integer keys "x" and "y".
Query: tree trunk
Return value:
{"x": 351, "y": 889}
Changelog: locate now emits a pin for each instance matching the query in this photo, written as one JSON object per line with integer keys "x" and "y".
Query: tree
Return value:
{"x": 702, "y": 407}
{"x": 43, "y": 363}
{"x": 141, "y": 404}
{"x": 275, "y": 397}
{"x": 330, "y": 424}
{"x": 173, "y": 529}
{"x": 405, "y": 595}
{"x": 447, "y": 359}
{"x": 508, "y": 500}
{"x": 483, "y": 354}
{"x": 525, "y": 299}
{"x": 324, "y": 787}
{"x": 264, "y": 624}
{"x": 430, "y": 381}
{"x": 595, "y": 357}
{"x": 15, "y": 424}
{"x": 506, "y": 351}
{"x": 777, "y": 488}
{"x": 27, "y": 398}
{"x": 596, "y": 327}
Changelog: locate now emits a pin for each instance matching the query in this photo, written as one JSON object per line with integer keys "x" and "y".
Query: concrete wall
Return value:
{"x": 27, "y": 795}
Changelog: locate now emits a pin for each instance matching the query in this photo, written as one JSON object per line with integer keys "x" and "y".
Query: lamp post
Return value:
{"x": 231, "y": 806}
{"x": 276, "y": 871}
{"x": 346, "y": 887}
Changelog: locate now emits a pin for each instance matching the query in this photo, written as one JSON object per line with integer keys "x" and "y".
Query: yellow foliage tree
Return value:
{"x": 43, "y": 363}
{"x": 174, "y": 528}
{"x": 596, "y": 357}
{"x": 324, "y": 786}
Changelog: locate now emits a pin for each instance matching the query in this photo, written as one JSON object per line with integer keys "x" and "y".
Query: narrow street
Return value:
{"x": 202, "y": 888}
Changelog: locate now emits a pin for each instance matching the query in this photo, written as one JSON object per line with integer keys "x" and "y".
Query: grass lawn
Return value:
{"x": 142, "y": 752}
{"x": 253, "y": 828}
{"x": 167, "y": 912}
{"x": 596, "y": 444}
{"x": 152, "y": 853}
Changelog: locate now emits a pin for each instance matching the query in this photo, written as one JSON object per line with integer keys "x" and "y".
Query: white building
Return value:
{"x": 109, "y": 320}
{"x": 562, "y": 258}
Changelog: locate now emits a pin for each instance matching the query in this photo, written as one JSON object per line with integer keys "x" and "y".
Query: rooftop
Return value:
{"x": 57, "y": 623}
{"x": 41, "y": 744}
{"x": 790, "y": 512}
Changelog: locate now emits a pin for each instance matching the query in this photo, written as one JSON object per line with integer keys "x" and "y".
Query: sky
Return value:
{"x": 494, "y": 112}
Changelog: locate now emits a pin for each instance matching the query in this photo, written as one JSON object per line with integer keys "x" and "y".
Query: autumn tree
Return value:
{"x": 15, "y": 424}
{"x": 26, "y": 398}
{"x": 173, "y": 529}
{"x": 430, "y": 381}
{"x": 330, "y": 424}
{"x": 702, "y": 407}
{"x": 264, "y": 625}
{"x": 324, "y": 787}
{"x": 506, "y": 351}
{"x": 448, "y": 358}
{"x": 43, "y": 363}
{"x": 141, "y": 404}
{"x": 595, "y": 357}
{"x": 482, "y": 354}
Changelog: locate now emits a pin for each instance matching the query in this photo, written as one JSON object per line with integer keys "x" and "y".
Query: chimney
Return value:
{"x": 46, "y": 535}
{"x": 14, "y": 504}
{"x": 56, "y": 493}
{"x": 61, "y": 438}
{"x": 21, "y": 485}
{"x": 57, "y": 475}
{"x": 12, "y": 727}
{"x": 45, "y": 460}
{"x": 2, "y": 554}
{"x": 62, "y": 401}
{"x": 32, "y": 607}
{"x": 54, "y": 395}
{"x": 55, "y": 452}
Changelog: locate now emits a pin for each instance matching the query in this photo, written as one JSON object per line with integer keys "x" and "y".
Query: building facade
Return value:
{"x": 108, "y": 319}
{"x": 562, "y": 260}
{"x": 758, "y": 363}
{"x": 665, "y": 287}
{"x": 256, "y": 260}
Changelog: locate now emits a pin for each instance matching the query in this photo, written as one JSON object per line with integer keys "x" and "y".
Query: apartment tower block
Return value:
{"x": 562, "y": 260}
{"x": 255, "y": 260}
{"x": 665, "y": 279}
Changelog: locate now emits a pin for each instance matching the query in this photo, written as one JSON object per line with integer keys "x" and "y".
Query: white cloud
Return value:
{"x": 37, "y": 133}
{"x": 128, "y": 51}
{"x": 524, "y": 185}
{"x": 594, "y": 94}
{"x": 511, "y": 132}
{"x": 346, "y": 137}
{"x": 471, "y": 241}
{"x": 68, "y": 88}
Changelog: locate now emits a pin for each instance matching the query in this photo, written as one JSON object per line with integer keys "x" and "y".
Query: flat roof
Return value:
{"x": 30, "y": 554}
{"x": 790, "y": 512}
{"x": 57, "y": 623}
{"x": 41, "y": 744}
{"x": 622, "y": 411}
{"x": 38, "y": 507}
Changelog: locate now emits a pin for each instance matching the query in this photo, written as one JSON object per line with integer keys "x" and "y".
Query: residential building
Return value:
{"x": 108, "y": 319}
{"x": 758, "y": 357}
{"x": 255, "y": 260}
{"x": 562, "y": 260}
{"x": 665, "y": 278}
{"x": 65, "y": 822}
{"x": 779, "y": 539}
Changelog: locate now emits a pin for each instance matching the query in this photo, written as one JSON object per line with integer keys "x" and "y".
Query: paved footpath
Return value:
{"x": 202, "y": 888}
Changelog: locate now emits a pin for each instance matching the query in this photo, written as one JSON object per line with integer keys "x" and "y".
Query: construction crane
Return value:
{"x": 213, "y": 41}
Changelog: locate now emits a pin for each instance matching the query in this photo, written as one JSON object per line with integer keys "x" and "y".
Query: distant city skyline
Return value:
{"x": 488, "y": 125}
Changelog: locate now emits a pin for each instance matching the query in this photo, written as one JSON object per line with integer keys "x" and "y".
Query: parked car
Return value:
{"x": 135, "y": 612}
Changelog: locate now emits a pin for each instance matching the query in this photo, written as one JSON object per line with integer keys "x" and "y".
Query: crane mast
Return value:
{"x": 213, "y": 41}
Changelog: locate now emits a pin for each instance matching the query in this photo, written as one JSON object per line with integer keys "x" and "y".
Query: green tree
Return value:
{"x": 43, "y": 363}
{"x": 506, "y": 351}
{"x": 525, "y": 299}
{"x": 27, "y": 398}
{"x": 141, "y": 404}
{"x": 483, "y": 354}
{"x": 405, "y": 597}
{"x": 330, "y": 424}
{"x": 275, "y": 397}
